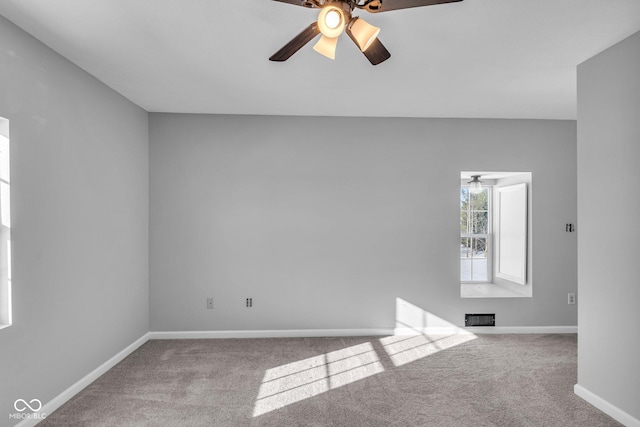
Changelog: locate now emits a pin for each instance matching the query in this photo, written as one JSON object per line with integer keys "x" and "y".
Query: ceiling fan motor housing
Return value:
{"x": 346, "y": 5}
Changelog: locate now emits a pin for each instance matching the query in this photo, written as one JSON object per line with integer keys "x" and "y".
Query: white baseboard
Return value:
{"x": 296, "y": 333}
{"x": 439, "y": 330}
{"x": 606, "y": 407}
{"x": 480, "y": 330}
{"x": 284, "y": 333}
{"x": 63, "y": 397}
{"x": 523, "y": 329}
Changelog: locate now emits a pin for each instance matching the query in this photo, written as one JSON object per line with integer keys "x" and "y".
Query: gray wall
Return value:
{"x": 324, "y": 222}
{"x": 79, "y": 154}
{"x": 608, "y": 176}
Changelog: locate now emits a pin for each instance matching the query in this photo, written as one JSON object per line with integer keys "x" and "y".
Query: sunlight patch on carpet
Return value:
{"x": 300, "y": 380}
{"x": 407, "y": 349}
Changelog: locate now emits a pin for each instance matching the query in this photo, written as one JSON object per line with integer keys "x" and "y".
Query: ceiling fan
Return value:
{"x": 335, "y": 17}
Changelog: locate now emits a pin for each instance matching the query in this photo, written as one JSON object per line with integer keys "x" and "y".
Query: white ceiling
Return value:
{"x": 475, "y": 58}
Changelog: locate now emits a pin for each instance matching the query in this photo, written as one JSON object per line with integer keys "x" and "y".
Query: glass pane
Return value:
{"x": 464, "y": 209}
{"x": 474, "y": 219}
{"x": 465, "y": 270}
{"x": 464, "y": 198}
{"x": 474, "y": 211}
{"x": 464, "y": 226}
{"x": 480, "y": 201}
{"x": 479, "y": 247}
{"x": 465, "y": 247}
{"x": 479, "y": 223}
{"x": 479, "y": 270}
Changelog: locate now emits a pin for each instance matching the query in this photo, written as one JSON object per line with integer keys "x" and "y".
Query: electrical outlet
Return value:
{"x": 571, "y": 298}
{"x": 209, "y": 303}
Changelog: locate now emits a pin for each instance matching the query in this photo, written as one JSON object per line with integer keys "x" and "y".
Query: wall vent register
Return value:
{"x": 480, "y": 319}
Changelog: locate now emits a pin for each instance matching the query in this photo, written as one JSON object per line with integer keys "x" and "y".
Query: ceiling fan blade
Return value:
{"x": 375, "y": 6}
{"x": 375, "y": 53}
{"x": 302, "y": 3}
{"x": 296, "y": 43}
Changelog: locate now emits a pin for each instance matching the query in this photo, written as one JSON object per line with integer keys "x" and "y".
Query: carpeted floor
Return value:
{"x": 488, "y": 380}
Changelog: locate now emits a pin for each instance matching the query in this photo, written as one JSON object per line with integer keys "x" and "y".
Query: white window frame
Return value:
{"x": 488, "y": 239}
{"x": 5, "y": 227}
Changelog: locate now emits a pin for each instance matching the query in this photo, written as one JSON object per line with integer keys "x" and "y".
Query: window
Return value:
{"x": 495, "y": 235}
{"x": 475, "y": 235}
{"x": 5, "y": 227}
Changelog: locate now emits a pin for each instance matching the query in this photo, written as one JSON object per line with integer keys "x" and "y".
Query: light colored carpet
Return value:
{"x": 488, "y": 380}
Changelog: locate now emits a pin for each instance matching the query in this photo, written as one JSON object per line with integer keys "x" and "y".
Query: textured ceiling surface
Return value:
{"x": 475, "y": 58}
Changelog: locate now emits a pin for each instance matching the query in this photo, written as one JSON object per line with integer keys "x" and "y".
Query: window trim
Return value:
{"x": 489, "y": 238}
{"x": 501, "y": 288}
{"x": 6, "y": 315}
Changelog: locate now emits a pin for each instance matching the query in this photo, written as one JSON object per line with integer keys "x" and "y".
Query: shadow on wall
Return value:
{"x": 304, "y": 379}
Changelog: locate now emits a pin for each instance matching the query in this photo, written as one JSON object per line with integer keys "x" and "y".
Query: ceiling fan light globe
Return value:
{"x": 331, "y": 21}
{"x": 326, "y": 46}
{"x": 475, "y": 188}
{"x": 364, "y": 33}
{"x": 475, "y": 185}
